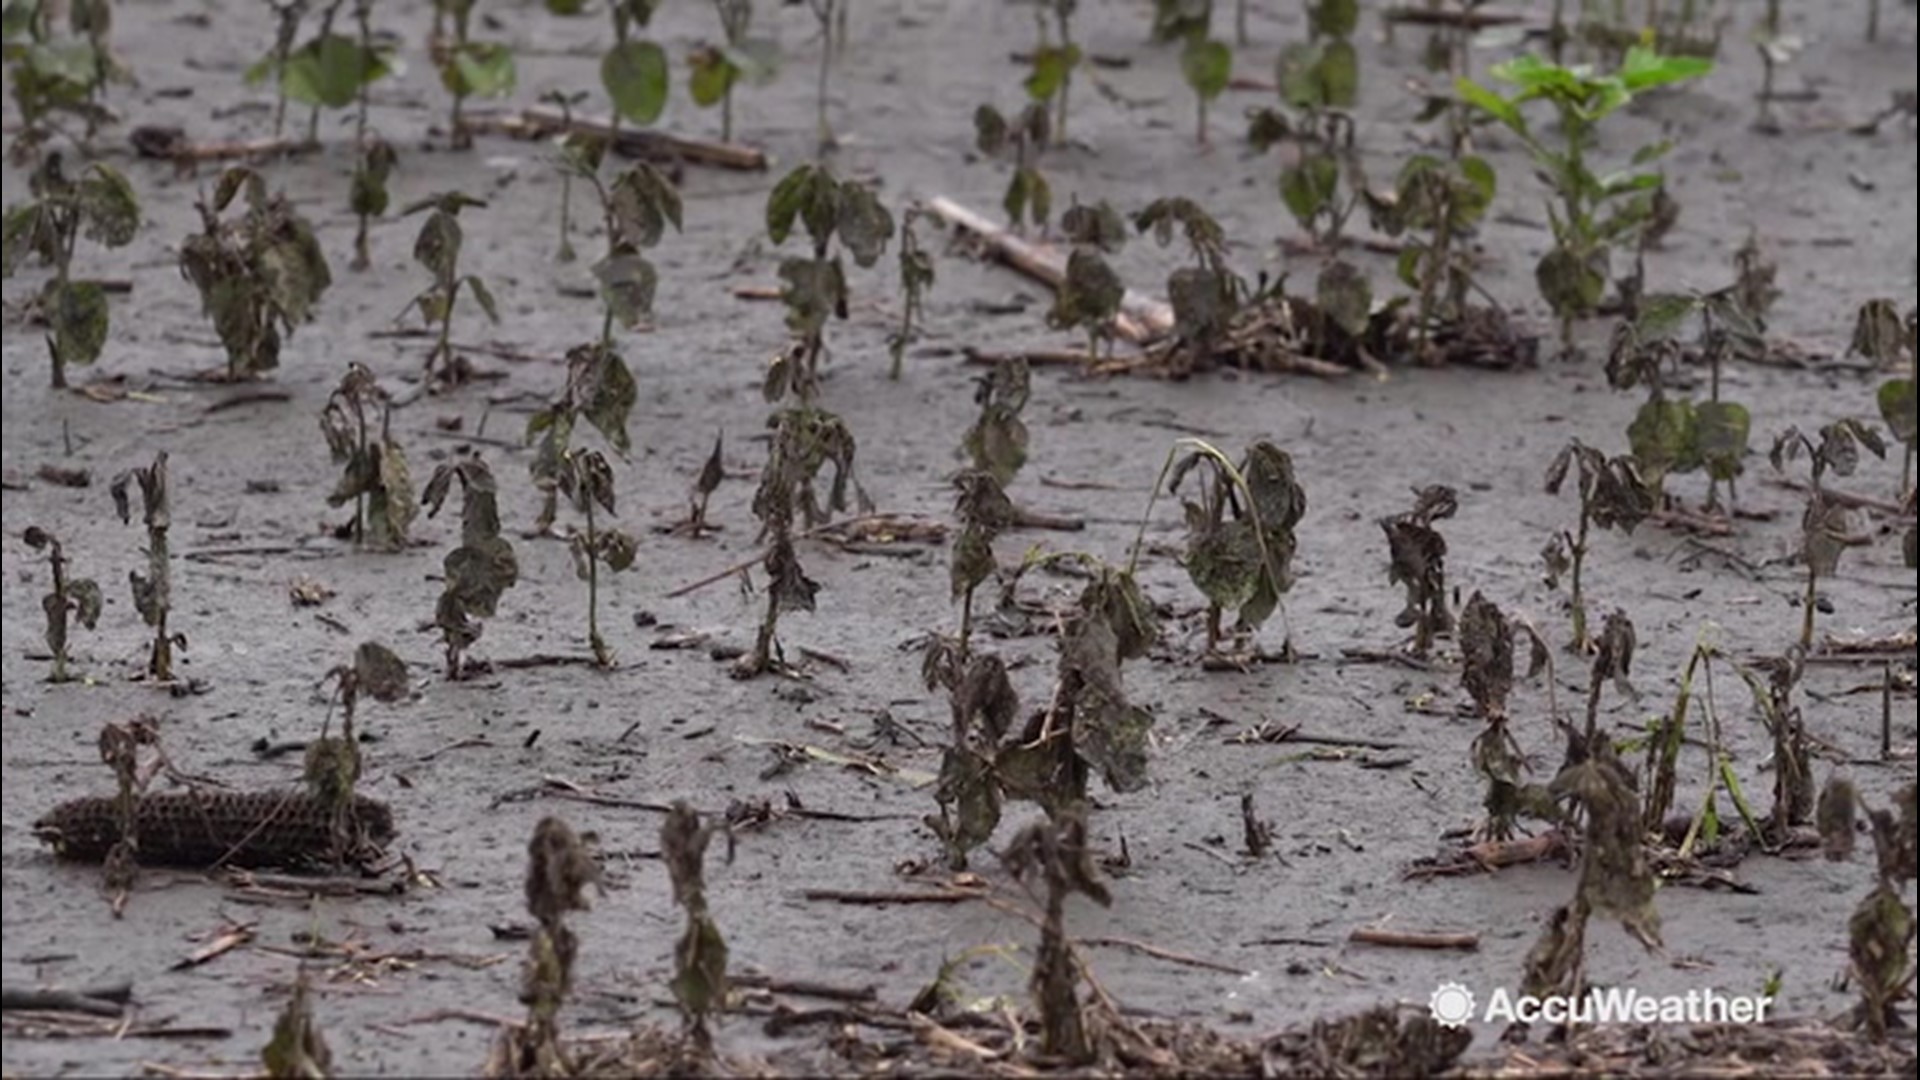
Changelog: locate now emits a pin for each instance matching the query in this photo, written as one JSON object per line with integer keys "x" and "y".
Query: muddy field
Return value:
{"x": 470, "y": 767}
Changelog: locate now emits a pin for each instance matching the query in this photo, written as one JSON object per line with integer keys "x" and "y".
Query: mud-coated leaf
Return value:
{"x": 627, "y": 285}
{"x": 643, "y": 202}
{"x": 438, "y": 246}
{"x": 1664, "y": 437}
{"x": 709, "y": 76}
{"x": 969, "y": 787}
{"x": 1203, "y": 303}
{"x": 76, "y": 319}
{"x": 1097, "y": 225}
{"x": 479, "y": 573}
{"x": 602, "y": 390}
{"x": 1109, "y": 733}
{"x": 1310, "y": 187}
{"x": 1345, "y": 295}
{"x": 814, "y": 290}
{"x": 1896, "y": 402}
{"x": 793, "y": 590}
{"x": 482, "y": 296}
{"x": 700, "y": 967}
{"x": 108, "y": 206}
{"x": 618, "y": 549}
{"x": 84, "y": 593}
{"x": 380, "y": 674}
{"x": 1721, "y": 431}
{"x": 1825, "y": 527}
{"x": 1878, "y": 331}
{"x": 1486, "y": 653}
{"x": 1091, "y": 293}
{"x": 990, "y": 130}
{"x": 864, "y": 225}
{"x": 1569, "y": 285}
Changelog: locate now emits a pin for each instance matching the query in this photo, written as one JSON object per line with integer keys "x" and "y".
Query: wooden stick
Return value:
{"x": 1411, "y": 939}
{"x": 172, "y": 144}
{"x": 14, "y": 998}
{"x": 1466, "y": 20}
{"x": 805, "y": 988}
{"x": 541, "y": 122}
{"x": 1160, "y": 953}
{"x": 862, "y": 896}
{"x": 1141, "y": 319}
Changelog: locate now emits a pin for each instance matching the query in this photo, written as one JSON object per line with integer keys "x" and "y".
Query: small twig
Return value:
{"x": 805, "y": 988}
{"x": 944, "y": 895}
{"x": 1161, "y": 953}
{"x": 1411, "y": 939}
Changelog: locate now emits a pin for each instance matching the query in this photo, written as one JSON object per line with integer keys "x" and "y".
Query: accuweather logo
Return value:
{"x": 1454, "y": 1005}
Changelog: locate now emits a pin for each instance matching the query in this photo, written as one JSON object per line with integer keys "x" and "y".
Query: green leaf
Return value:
{"x": 627, "y": 285}
{"x": 483, "y": 296}
{"x": 1569, "y": 285}
{"x": 438, "y": 246}
{"x": 109, "y": 206}
{"x": 1052, "y": 66}
{"x": 330, "y": 70}
{"x": 20, "y": 231}
{"x": 481, "y": 68}
{"x": 1721, "y": 432}
{"x": 566, "y": 8}
{"x": 1491, "y": 103}
{"x": 1338, "y": 74}
{"x": 786, "y": 201}
{"x": 1644, "y": 69}
{"x": 77, "y": 320}
{"x": 864, "y": 225}
{"x": 1334, "y": 18}
{"x": 1207, "y": 66}
{"x": 1664, "y": 438}
{"x": 1897, "y": 408}
{"x": 1662, "y": 315}
{"x": 709, "y": 76}
{"x": 1309, "y": 187}
{"x": 635, "y": 76}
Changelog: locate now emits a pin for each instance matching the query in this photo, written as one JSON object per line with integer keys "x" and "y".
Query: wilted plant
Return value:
{"x": 152, "y": 591}
{"x": 1881, "y": 931}
{"x": 120, "y": 751}
{"x": 700, "y": 956}
{"x": 437, "y": 248}
{"x": 712, "y": 472}
{"x": 996, "y": 444}
{"x": 1573, "y": 274}
{"x": 1612, "y": 661}
{"x": 1881, "y": 335}
{"x": 297, "y": 1050}
{"x": 333, "y": 765}
{"x": 1418, "y": 560}
{"x": 916, "y": 277}
{"x": 357, "y": 423}
{"x": 1826, "y": 527}
{"x": 468, "y": 68}
{"x": 481, "y": 568}
{"x": 1486, "y": 672}
{"x": 714, "y": 70}
{"x": 1665, "y": 736}
{"x": 1442, "y": 199}
{"x": 1029, "y": 198}
{"x": 1612, "y": 496}
{"x": 98, "y": 204}
{"x": 1240, "y": 530}
{"x": 1091, "y": 293}
{"x": 1207, "y": 295}
{"x": 587, "y": 481}
{"x": 815, "y": 288}
{"x": 1772, "y": 682}
{"x": 636, "y": 209}
{"x": 1055, "y": 852}
{"x": 258, "y": 276}
{"x": 53, "y": 74}
{"x": 1677, "y": 436}
{"x": 559, "y": 869}
{"x": 71, "y": 600}
{"x": 599, "y": 389}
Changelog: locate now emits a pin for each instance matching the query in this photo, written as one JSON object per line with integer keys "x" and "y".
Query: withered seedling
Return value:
{"x": 1612, "y": 496}
{"x": 1612, "y": 662}
{"x": 437, "y": 248}
{"x": 1053, "y": 855}
{"x": 600, "y": 389}
{"x": 700, "y": 956}
{"x": 1486, "y": 672}
{"x": 333, "y": 764}
{"x": 1240, "y": 531}
{"x": 357, "y": 423}
{"x": 1772, "y": 681}
{"x": 258, "y": 275}
{"x": 1665, "y": 736}
{"x": 1417, "y": 556}
{"x": 916, "y": 277}
{"x": 587, "y": 481}
{"x": 152, "y": 591}
{"x": 636, "y": 209}
{"x": 481, "y": 568}
{"x": 98, "y": 204}
{"x": 814, "y": 288}
{"x": 559, "y": 869}
{"x": 1881, "y": 335}
{"x": 996, "y": 444}
{"x": 1207, "y": 295}
{"x": 71, "y": 600}
{"x": 1826, "y": 526}
{"x": 297, "y": 1050}
{"x": 980, "y": 697}
{"x": 1881, "y": 930}
{"x": 712, "y": 472}
{"x": 1677, "y": 436}
{"x": 120, "y": 750}
{"x": 1029, "y": 198}
{"x": 1090, "y": 295}
{"x": 1437, "y": 202}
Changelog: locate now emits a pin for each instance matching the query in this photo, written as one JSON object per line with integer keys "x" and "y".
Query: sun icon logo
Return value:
{"x": 1451, "y": 1004}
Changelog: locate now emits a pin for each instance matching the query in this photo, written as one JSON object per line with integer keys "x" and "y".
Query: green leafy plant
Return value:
{"x": 587, "y": 481}
{"x": 477, "y": 571}
{"x": 98, "y": 204}
{"x": 71, "y": 600}
{"x": 1596, "y": 210}
{"x": 1438, "y": 201}
{"x": 259, "y": 275}
{"x": 713, "y": 71}
{"x": 1881, "y": 930}
{"x": 1417, "y": 559}
{"x": 559, "y": 869}
{"x": 1207, "y": 65}
{"x": 634, "y": 70}
{"x": 368, "y": 192}
{"x": 1049, "y": 80}
{"x": 468, "y": 68}
{"x": 1055, "y": 855}
{"x": 152, "y": 591}
{"x": 52, "y": 74}
{"x": 1240, "y": 530}
{"x": 1826, "y": 526}
{"x": 814, "y": 288}
{"x": 916, "y": 277}
{"x": 1029, "y": 197}
{"x": 1881, "y": 335}
{"x": 357, "y": 423}
{"x": 1319, "y": 79}
{"x": 1090, "y": 295}
{"x": 700, "y": 956}
{"x": 600, "y": 389}
{"x": 1678, "y": 436}
{"x": 437, "y": 248}
{"x": 1612, "y": 496}
{"x": 330, "y": 70}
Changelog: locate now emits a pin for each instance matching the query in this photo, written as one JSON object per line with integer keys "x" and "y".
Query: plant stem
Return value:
{"x": 57, "y": 559}
{"x": 599, "y": 647}
{"x": 823, "y": 11}
{"x": 726, "y": 113}
{"x": 1579, "y": 602}
{"x": 1066, "y": 81}
{"x": 1807, "y": 603}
